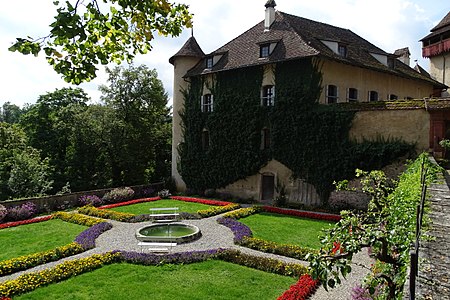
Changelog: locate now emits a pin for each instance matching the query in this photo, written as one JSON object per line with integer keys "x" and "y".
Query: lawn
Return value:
{"x": 36, "y": 237}
{"x": 207, "y": 280}
{"x": 144, "y": 208}
{"x": 286, "y": 229}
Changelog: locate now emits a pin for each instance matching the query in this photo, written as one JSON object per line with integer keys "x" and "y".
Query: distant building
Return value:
{"x": 436, "y": 47}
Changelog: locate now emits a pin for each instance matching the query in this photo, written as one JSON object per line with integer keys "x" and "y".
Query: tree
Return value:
{"x": 140, "y": 148}
{"x": 10, "y": 113}
{"x": 50, "y": 126}
{"x": 387, "y": 229}
{"x": 87, "y": 33}
{"x": 22, "y": 171}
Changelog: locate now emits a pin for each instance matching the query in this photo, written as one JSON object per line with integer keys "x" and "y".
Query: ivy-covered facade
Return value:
{"x": 253, "y": 122}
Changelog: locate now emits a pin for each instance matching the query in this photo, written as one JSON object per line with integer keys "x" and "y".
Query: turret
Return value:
{"x": 185, "y": 59}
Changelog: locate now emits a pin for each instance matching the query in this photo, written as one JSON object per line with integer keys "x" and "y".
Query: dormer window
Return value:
{"x": 342, "y": 49}
{"x": 209, "y": 62}
{"x": 264, "y": 50}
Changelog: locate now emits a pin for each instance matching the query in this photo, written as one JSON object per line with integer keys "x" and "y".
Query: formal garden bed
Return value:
{"x": 86, "y": 240}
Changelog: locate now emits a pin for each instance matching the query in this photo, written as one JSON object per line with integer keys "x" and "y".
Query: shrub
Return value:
{"x": 22, "y": 212}
{"x": 3, "y": 212}
{"x": 119, "y": 195}
{"x": 90, "y": 200}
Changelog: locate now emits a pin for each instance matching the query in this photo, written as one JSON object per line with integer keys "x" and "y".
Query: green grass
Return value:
{"x": 36, "y": 237}
{"x": 143, "y": 208}
{"x": 286, "y": 229}
{"x": 206, "y": 280}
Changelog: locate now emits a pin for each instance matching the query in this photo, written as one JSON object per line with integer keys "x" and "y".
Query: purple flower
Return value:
{"x": 90, "y": 200}
{"x": 22, "y": 212}
{"x": 87, "y": 238}
{"x": 239, "y": 230}
{"x": 173, "y": 258}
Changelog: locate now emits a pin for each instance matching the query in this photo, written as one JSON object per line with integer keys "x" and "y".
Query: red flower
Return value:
{"x": 337, "y": 247}
{"x": 24, "y": 222}
{"x": 129, "y": 202}
{"x": 202, "y": 201}
{"x": 304, "y": 214}
{"x": 304, "y": 288}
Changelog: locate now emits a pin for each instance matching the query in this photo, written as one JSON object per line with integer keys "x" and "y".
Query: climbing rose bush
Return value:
{"x": 90, "y": 200}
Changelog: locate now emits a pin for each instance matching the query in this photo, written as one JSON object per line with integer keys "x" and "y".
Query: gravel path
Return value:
{"x": 214, "y": 235}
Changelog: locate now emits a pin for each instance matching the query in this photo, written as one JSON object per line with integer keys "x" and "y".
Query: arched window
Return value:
{"x": 265, "y": 138}
{"x": 352, "y": 95}
{"x": 393, "y": 97}
{"x": 373, "y": 96}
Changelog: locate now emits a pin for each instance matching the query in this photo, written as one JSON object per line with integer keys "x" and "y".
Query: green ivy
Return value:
{"x": 309, "y": 138}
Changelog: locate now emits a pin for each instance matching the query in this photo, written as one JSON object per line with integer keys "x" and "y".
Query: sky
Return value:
{"x": 388, "y": 24}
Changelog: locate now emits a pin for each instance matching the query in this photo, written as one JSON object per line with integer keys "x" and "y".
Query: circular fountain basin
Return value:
{"x": 168, "y": 232}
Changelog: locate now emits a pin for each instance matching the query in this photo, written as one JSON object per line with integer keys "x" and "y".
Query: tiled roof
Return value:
{"x": 444, "y": 22}
{"x": 402, "y": 52}
{"x": 443, "y": 26}
{"x": 296, "y": 38}
{"x": 189, "y": 49}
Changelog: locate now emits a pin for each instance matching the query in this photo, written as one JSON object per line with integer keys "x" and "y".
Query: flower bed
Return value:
{"x": 303, "y": 289}
{"x": 213, "y": 211}
{"x": 87, "y": 238}
{"x": 203, "y": 201}
{"x": 28, "y": 282}
{"x": 24, "y": 222}
{"x": 302, "y": 214}
{"x": 239, "y": 230}
{"x": 106, "y": 214}
{"x": 77, "y": 218}
{"x": 129, "y": 202}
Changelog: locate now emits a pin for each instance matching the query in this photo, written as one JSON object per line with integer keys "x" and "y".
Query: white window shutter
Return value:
{"x": 348, "y": 95}
{"x": 337, "y": 94}
{"x": 201, "y": 103}
{"x": 212, "y": 103}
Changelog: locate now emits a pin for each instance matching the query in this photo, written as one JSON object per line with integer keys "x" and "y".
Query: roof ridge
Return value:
{"x": 444, "y": 22}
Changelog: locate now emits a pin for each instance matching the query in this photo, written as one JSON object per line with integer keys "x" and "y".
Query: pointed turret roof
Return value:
{"x": 190, "y": 49}
{"x": 442, "y": 27}
{"x": 444, "y": 22}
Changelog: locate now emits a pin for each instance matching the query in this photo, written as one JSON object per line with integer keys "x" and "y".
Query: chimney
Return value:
{"x": 270, "y": 14}
{"x": 403, "y": 55}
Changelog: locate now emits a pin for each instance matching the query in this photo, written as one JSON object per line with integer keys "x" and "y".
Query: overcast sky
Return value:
{"x": 389, "y": 24}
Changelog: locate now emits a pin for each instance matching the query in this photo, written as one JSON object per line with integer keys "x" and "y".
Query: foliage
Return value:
{"x": 22, "y": 212}
{"x": 10, "y": 113}
{"x": 310, "y": 139}
{"x": 85, "y": 34}
{"x": 205, "y": 213}
{"x": 388, "y": 228}
{"x": 139, "y": 137}
{"x": 118, "y": 195}
{"x": 3, "y": 212}
{"x": 25, "y": 262}
{"x": 302, "y": 290}
{"x": 164, "y": 194}
{"x": 445, "y": 144}
{"x": 106, "y": 214}
{"x": 77, "y": 218}
{"x": 31, "y": 281}
{"x": 90, "y": 200}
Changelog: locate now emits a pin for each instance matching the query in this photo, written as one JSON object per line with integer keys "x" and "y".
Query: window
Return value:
{"x": 393, "y": 97}
{"x": 268, "y": 95}
{"x": 207, "y": 103}
{"x": 205, "y": 139}
{"x": 264, "y": 50}
{"x": 373, "y": 96}
{"x": 342, "y": 50}
{"x": 332, "y": 94}
{"x": 352, "y": 95}
{"x": 265, "y": 138}
{"x": 209, "y": 62}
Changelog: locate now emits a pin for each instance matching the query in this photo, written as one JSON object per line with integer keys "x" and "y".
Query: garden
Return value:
{"x": 30, "y": 241}
{"x": 37, "y": 244}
